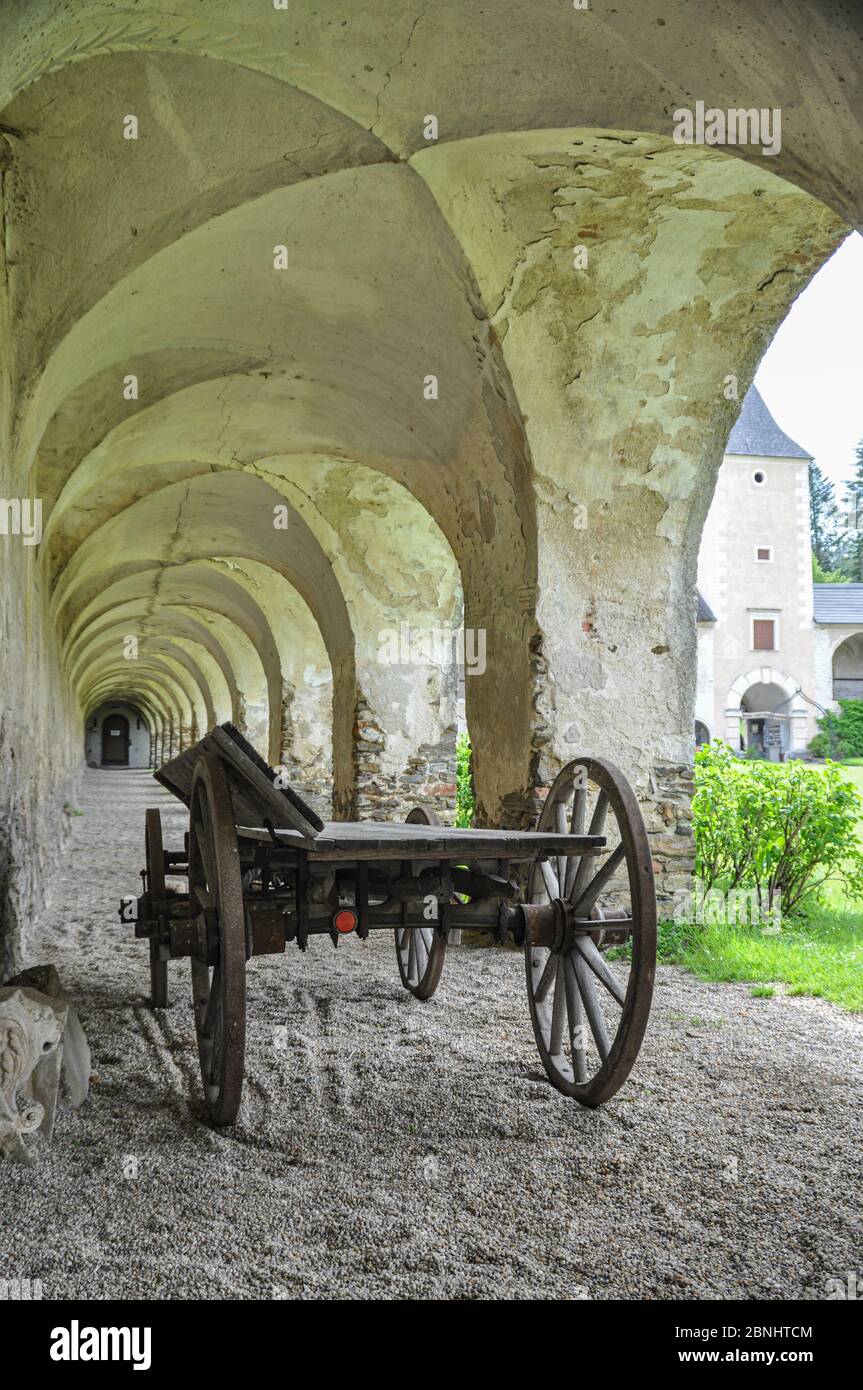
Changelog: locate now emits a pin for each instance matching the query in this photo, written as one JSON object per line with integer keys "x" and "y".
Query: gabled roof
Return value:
{"x": 838, "y": 603}
{"x": 757, "y": 433}
{"x": 704, "y": 613}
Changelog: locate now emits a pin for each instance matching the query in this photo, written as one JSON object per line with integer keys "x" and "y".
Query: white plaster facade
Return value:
{"x": 766, "y": 667}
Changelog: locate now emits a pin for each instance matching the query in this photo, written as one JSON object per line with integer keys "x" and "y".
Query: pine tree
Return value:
{"x": 824, "y": 520}
{"x": 851, "y": 562}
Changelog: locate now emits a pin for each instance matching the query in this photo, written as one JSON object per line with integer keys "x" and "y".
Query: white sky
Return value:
{"x": 811, "y": 376}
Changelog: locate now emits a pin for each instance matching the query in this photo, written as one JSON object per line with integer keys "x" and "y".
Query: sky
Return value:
{"x": 811, "y": 376}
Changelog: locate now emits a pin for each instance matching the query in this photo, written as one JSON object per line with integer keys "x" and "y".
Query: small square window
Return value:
{"x": 764, "y": 634}
{"x": 764, "y": 552}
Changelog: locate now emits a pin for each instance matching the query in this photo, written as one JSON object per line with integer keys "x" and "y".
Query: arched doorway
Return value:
{"x": 118, "y": 733}
{"x": 766, "y": 713}
{"x": 702, "y": 733}
{"x": 115, "y": 741}
{"x": 848, "y": 669}
{"x": 765, "y": 726}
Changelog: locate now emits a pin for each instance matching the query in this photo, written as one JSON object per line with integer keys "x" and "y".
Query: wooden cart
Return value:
{"x": 259, "y": 870}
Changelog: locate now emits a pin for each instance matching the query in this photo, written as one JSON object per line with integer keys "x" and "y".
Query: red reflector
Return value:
{"x": 345, "y": 920}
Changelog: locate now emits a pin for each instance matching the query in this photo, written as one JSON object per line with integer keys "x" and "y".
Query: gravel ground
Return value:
{"x": 389, "y": 1148}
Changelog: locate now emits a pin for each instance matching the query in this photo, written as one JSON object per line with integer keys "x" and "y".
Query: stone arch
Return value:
{"x": 767, "y": 676}
{"x": 847, "y": 667}
{"x": 140, "y": 738}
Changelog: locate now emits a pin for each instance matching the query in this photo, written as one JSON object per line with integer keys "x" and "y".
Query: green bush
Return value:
{"x": 825, "y": 746}
{"x": 465, "y": 805}
{"x": 841, "y": 734}
{"x": 780, "y": 828}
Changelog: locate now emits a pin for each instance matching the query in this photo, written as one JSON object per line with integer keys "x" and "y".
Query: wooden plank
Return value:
{"x": 177, "y": 774}
{"x": 254, "y": 797}
{"x": 387, "y": 840}
{"x": 253, "y": 791}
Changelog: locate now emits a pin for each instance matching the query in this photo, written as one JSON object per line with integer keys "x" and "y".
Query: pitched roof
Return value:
{"x": 704, "y": 613}
{"x": 757, "y": 433}
{"x": 838, "y": 603}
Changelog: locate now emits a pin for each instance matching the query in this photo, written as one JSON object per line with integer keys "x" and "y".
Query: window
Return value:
{"x": 764, "y": 634}
{"x": 759, "y": 477}
{"x": 764, "y": 552}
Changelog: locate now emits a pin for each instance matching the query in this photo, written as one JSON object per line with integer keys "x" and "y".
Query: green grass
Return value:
{"x": 821, "y": 955}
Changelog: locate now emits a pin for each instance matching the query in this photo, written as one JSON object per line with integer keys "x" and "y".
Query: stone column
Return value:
{"x": 634, "y": 285}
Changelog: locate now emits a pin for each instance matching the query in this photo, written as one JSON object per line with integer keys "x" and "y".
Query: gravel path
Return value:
{"x": 388, "y": 1148}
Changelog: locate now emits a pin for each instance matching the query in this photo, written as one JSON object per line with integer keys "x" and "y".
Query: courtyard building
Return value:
{"x": 775, "y": 650}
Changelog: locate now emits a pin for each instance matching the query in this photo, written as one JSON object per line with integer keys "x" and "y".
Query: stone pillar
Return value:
{"x": 306, "y": 742}
{"x": 391, "y": 780}
{"x": 634, "y": 285}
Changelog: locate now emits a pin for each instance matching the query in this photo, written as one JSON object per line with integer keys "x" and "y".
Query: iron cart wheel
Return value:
{"x": 155, "y": 861}
{"x": 420, "y": 951}
{"x": 219, "y": 982}
{"x": 589, "y": 1012}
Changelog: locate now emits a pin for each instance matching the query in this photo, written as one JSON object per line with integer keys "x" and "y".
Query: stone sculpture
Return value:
{"x": 40, "y": 1039}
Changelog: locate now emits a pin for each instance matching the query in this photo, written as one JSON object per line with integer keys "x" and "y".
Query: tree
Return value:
{"x": 827, "y": 544}
{"x": 851, "y": 562}
{"x": 820, "y": 576}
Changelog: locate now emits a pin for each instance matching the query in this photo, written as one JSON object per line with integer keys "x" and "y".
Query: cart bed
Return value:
{"x": 386, "y": 840}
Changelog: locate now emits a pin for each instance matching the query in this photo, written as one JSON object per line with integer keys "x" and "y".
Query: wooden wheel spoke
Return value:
{"x": 545, "y": 978}
{"x": 549, "y": 878}
{"x": 577, "y": 1025}
{"x": 214, "y": 1005}
{"x": 592, "y": 1008}
{"x": 576, "y": 827}
{"x": 412, "y": 958}
{"x": 590, "y": 953}
{"x": 558, "y": 1010}
{"x": 588, "y": 896}
{"x": 561, "y": 826}
{"x": 596, "y": 827}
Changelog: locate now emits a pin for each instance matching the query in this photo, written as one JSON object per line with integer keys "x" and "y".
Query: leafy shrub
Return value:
{"x": 823, "y": 746}
{"x": 780, "y": 828}
{"x": 465, "y": 805}
{"x": 841, "y": 734}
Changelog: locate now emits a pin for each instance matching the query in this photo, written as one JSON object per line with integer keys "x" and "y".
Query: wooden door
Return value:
{"x": 115, "y": 741}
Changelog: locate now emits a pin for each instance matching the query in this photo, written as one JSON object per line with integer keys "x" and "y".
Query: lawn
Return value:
{"x": 822, "y": 956}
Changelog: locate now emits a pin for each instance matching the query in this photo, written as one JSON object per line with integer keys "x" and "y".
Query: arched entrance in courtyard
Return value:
{"x": 848, "y": 668}
{"x": 766, "y": 714}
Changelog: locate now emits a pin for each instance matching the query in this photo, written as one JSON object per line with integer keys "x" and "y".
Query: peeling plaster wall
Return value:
{"x": 621, "y": 367}
{"x": 40, "y": 750}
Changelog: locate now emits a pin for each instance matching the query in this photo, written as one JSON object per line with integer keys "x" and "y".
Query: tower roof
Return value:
{"x": 757, "y": 433}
